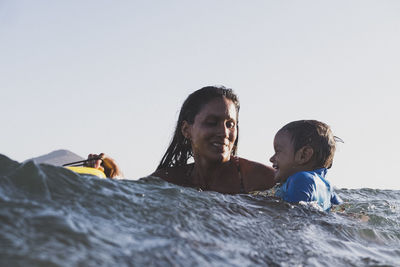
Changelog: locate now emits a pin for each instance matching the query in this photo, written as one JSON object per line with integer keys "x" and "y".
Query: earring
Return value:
{"x": 186, "y": 141}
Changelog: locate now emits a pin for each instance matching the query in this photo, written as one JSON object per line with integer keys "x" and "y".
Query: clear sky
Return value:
{"x": 110, "y": 76}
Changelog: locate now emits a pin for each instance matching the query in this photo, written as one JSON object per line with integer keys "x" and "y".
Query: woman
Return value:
{"x": 207, "y": 131}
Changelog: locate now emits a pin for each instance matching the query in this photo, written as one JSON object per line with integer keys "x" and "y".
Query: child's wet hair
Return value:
{"x": 318, "y": 136}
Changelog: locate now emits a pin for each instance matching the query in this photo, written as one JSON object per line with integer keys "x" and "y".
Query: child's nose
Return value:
{"x": 272, "y": 159}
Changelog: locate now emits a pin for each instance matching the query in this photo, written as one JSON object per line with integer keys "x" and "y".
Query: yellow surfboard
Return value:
{"x": 87, "y": 170}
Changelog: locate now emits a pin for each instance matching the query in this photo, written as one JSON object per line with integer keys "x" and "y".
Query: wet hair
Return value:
{"x": 318, "y": 136}
{"x": 180, "y": 148}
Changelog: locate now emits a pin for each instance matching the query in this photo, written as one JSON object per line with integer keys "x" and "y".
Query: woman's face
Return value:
{"x": 214, "y": 131}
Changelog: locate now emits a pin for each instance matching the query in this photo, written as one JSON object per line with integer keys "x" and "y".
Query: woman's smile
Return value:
{"x": 220, "y": 144}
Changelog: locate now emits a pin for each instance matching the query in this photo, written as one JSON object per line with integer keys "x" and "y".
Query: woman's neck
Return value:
{"x": 204, "y": 173}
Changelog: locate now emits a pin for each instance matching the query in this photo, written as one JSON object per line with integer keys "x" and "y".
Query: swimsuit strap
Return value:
{"x": 235, "y": 160}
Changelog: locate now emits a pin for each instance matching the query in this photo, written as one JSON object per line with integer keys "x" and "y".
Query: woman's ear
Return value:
{"x": 304, "y": 155}
{"x": 185, "y": 129}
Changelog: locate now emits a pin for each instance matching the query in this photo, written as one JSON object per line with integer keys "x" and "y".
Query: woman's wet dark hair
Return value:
{"x": 180, "y": 149}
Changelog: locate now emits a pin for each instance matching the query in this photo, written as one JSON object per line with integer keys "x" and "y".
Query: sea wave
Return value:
{"x": 51, "y": 216}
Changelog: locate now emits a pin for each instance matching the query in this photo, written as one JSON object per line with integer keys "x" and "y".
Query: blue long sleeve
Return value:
{"x": 299, "y": 188}
{"x": 309, "y": 186}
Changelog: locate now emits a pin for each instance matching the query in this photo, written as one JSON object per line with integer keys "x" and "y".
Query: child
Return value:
{"x": 304, "y": 151}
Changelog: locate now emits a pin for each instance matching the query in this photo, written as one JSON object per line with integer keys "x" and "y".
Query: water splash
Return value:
{"x": 50, "y": 216}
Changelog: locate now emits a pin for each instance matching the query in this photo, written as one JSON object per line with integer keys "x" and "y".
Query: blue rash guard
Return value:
{"x": 309, "y": 186}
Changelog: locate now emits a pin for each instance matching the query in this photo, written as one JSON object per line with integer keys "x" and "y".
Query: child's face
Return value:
{"x": 283, "y": 161}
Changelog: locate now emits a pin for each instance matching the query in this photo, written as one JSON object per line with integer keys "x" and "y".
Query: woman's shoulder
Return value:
{"x": 255, "y": 167}
{"x": 177, "y": 175}
{"x": 257, "y": 176}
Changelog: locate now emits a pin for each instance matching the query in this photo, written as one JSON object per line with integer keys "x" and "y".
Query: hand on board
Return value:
{"x": 106, "y": 164}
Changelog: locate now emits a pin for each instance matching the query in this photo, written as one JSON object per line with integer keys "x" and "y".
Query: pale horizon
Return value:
{"x": 99, "y": 76}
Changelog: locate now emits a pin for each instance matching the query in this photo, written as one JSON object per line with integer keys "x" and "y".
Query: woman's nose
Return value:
{"x": 223, "y": 130}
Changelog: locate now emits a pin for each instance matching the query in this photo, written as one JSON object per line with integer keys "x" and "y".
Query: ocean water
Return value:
{"x": 50, "y": 216}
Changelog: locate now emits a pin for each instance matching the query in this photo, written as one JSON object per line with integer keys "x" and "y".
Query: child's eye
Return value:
{"x": 230, "y": 124}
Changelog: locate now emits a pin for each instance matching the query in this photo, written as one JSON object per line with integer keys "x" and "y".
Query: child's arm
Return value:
{"x": 335, "y": 199}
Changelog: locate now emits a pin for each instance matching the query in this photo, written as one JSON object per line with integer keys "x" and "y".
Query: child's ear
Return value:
{"x": 185, "y": 129}
{"x": 304, "y": 155}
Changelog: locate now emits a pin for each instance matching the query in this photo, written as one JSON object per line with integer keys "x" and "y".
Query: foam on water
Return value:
{"x": 50, "y": 216}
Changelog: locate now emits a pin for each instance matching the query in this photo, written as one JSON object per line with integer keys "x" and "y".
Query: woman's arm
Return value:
{"x": 256, "y": 176}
